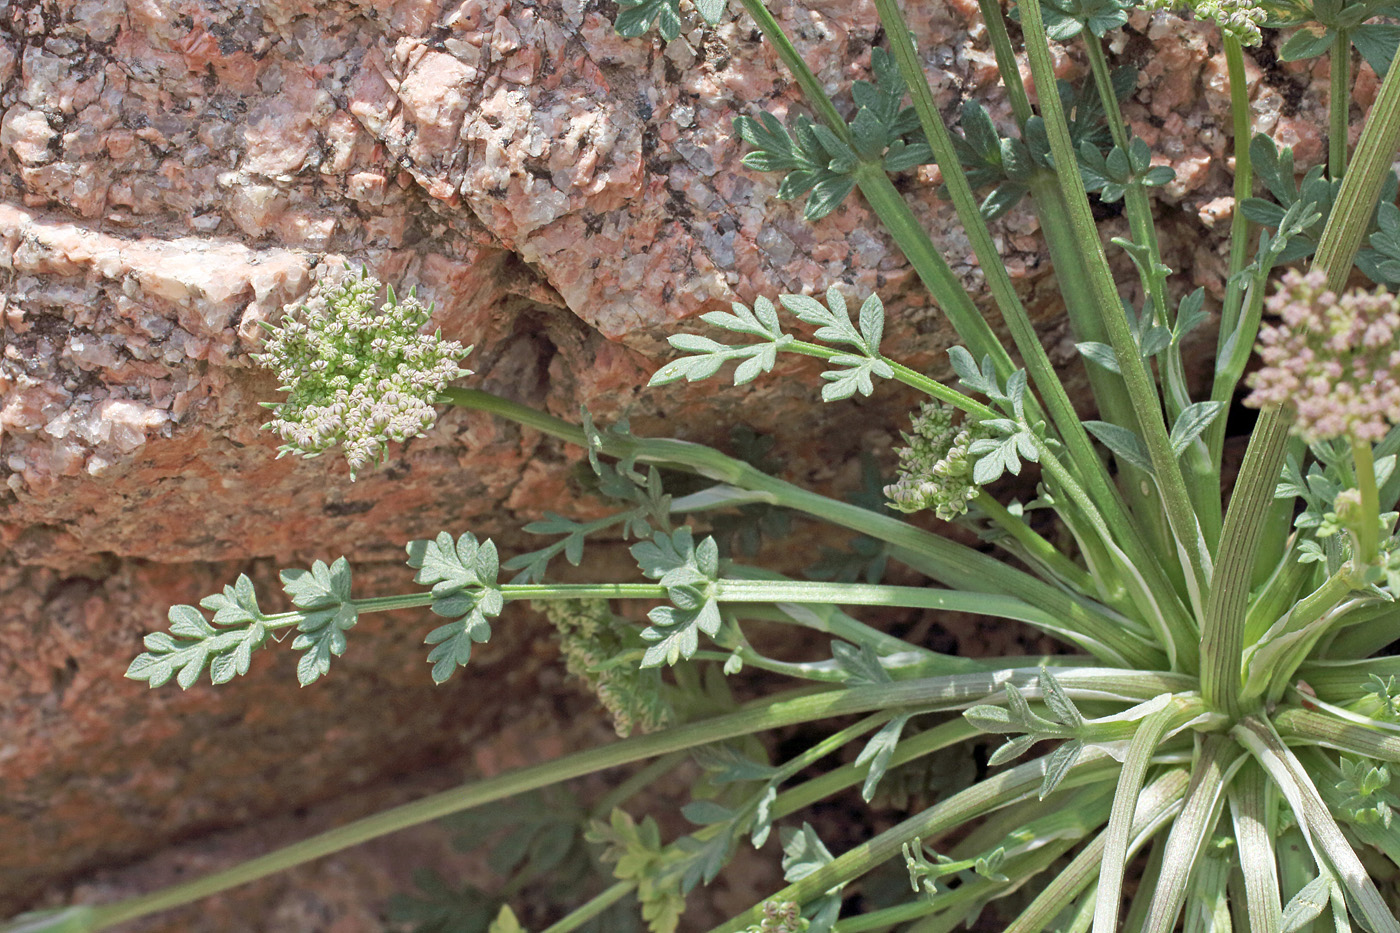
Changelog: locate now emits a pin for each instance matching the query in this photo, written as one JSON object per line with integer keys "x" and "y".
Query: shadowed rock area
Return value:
{"x": 175, "y": 172}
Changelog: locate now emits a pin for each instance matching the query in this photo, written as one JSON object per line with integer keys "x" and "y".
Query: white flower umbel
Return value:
{"x": 935, "y": 470}
{"x": 358, "y": 372}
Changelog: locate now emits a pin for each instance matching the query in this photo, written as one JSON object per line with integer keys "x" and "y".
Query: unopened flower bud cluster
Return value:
{"x": 591, "y": 639}
{"x": 1240, "y": 19}
{"x": 935, "y": 470}
{"x": 359, "y": 373}
{"x": 1335, "y": 359}
{"x": 780, "y": 917}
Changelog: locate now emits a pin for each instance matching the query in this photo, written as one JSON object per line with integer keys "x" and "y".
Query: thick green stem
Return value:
{"x": 1367, "y": 536}
{"x": 1367, "y": 741}
{"x": 1175, "y": 499}
{"x": 1209, "y": 777}
{"x": 1222, "y": 630}
{"x": 1118, "y": 835}
{"x": 1249, "y": 808}
{"x": 1339, "y": 104}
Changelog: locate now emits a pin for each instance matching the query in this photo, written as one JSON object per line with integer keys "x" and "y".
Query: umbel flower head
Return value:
{"x": 1335, "y": 359}
{"x": 358, "y": 372}
{"x": 935, "y": 470}
{"x": 1240, "y": 19}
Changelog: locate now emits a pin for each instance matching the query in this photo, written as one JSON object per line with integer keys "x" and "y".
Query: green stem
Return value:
{"x": 1153, "y": 808}
{"x": 1135, "y": 201}
{"x": 644, "y": 778}
{"x": 1234, "y": 356}
{"x": 1176, "y": 502}
{"x": 956, "y": 901}
{"x": 1367, "y": 536}
{"x": 1222, "y": 630}
{"x": 911, "y": 238}
{"x": 1042, "y": 372}
{"x": 1174, "y": 631}
{"x": 1271, "y": 677}
{"x": 1305, "y": 726}
{"x": 796, "y": 670}
{"x": 909, "y": 377}
{"x": 1202, "y": 481}
{"x": 955, "y": 565}
{"x": 1339, "y": 104}
{"x": 1117, "y": 837}
{"x": 811, "y": 88}
{"x": 944, "y": 692}
{"x": 991, "y": 794}
{"x": 1279, "y": 593}
{"x": 1249, "y": 808}
{"x": 838, "y": 779}
{"x": 1361, "y": 186}
{"x": 1115, "y": 406}
{"x": 1010, "y": 69}
{"x": 953, "y": 692}
{"x": 1036, "y": 548}
{"x": 1239, "y": 225}
{"x": 864, "y": 594}
{"x": 1326, "y": 837}
{"x": 830, "y": 620}
{"x": 894, "y": 213}
{"x": 1038, "y": 365}
{"x": 593, "y": 908}
{"x": 1370, "y": 631}
{"x": 794, "y": 591}
{"x": 1204, "y": 800}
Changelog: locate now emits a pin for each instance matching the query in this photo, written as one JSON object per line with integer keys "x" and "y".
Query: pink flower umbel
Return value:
{"x": 1335, "y": 360}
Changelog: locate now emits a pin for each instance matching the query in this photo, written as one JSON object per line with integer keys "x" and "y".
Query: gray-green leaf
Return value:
{"x": 1126, "y": 445}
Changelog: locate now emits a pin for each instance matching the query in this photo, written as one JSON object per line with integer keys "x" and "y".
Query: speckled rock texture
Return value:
{"x": 175, "y": 171}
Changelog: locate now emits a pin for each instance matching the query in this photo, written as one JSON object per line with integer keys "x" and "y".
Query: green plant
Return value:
{"x": 1221, "y": 662}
